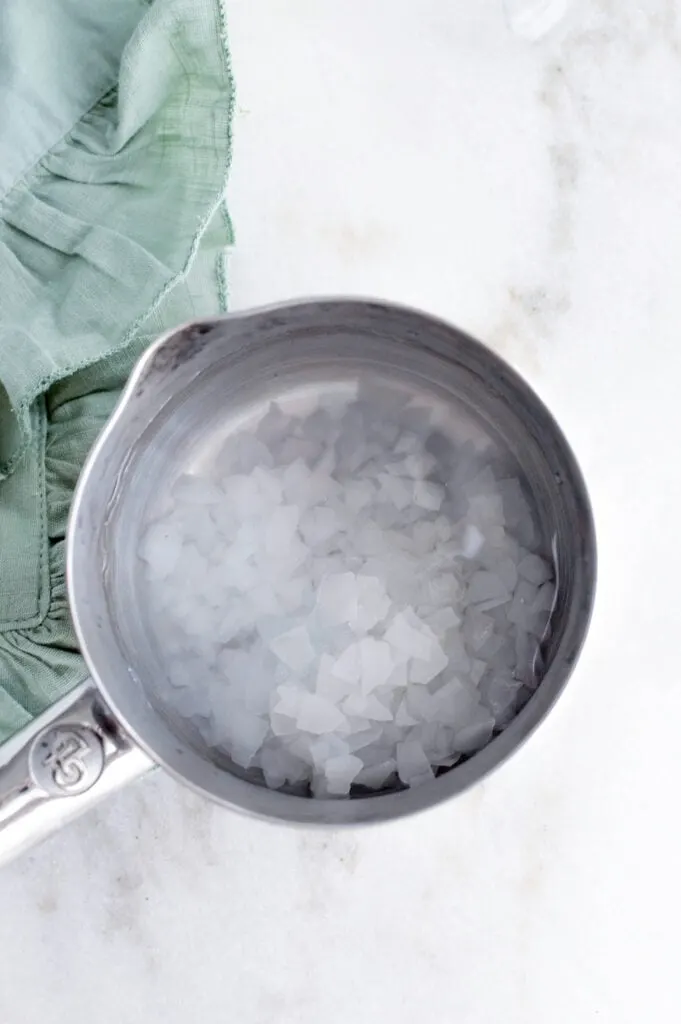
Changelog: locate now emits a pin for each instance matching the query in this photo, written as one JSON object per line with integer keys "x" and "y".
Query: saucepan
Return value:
{"x": 111, "y": 729}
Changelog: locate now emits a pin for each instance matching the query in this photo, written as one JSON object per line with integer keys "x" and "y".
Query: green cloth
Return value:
{"x": 115, "y": 119}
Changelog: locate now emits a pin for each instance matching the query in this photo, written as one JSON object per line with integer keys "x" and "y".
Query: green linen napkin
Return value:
{"x": 115, "y": 123}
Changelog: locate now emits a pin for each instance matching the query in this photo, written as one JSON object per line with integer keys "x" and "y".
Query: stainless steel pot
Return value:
{"x": 111, "y": 729}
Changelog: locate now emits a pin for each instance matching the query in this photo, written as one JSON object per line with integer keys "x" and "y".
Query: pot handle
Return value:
{"x": 64, "y": 762}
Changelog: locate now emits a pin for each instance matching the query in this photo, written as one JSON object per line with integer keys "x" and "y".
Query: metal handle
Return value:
{"x": 61, "y": 764}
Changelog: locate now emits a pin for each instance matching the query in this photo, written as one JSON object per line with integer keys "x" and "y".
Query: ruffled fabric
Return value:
{"x": 56, "y": 60}
{"x": 114, "y": 235}
{"x": 108, "y": 221}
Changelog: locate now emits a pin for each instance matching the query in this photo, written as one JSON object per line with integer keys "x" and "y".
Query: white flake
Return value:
{"x": 347, "y": 596}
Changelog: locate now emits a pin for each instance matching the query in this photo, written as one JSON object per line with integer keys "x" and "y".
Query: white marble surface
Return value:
{"x": 531, "y": 192}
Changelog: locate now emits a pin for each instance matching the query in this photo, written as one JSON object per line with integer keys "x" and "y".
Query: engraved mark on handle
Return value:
{"x": 66, "y": 760}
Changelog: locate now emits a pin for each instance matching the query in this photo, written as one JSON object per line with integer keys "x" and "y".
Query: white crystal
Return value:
{"x": 373, "y": 603}
{"x": 424, "y": 670}
{"x": 428, "y": 495}
{"x": 318, "y": 525}
{"x": 367, "y": 706}
{"x": 403, "y": 635}
{"x": 338, "y": 598}
{"x": 486, "y": 586}
{"x": 247, "y": 733}
{"x": 294, "y": 648}
{"x": 412, "y": 764}
{"x": 340, "y": 773}
{"x": 358, "y": 494}
{"x": 472, "y": 541}
{"x": 442, "y": 619}
{"x": 348, "y": 666}
{"x": 395, "y": 490}
{"x": 475, "y": 735}
{"x": 534, "y": 569}
{"x": 281, "y": 527}
{"x": 161, "y": 548}
{"x": 318, "y": 715}
{"x": 376, "y": 775}
{"x": 403, "y": 717}
{"x": 376, "y": 662}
